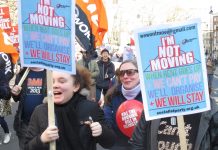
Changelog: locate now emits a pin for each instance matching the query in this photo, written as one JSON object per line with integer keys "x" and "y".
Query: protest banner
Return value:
{"x": 46, "y": 39}
{"x": 14, "y": 36}
{"x": 46, "y": 34}
{"x": 6, "y": 25}
{"x": 5, "y": 21}
{"x": 172, "y": 70}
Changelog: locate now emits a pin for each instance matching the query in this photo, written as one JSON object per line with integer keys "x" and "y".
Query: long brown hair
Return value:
{"x": 82, "y": 77}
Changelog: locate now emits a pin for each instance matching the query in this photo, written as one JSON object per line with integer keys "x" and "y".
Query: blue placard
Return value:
{"x": 172, "y": 70}
{"x": 46, "y": 34}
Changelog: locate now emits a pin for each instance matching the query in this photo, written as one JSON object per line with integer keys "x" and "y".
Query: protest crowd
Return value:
{"x": 114, "y": 88}
{"x": 114, "y": 99}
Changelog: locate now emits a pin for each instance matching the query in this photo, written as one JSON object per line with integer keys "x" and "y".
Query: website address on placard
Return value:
{"x": 47, "y": 65}
{"x": 168, "y": 31}
{"x": 177, "y": 110}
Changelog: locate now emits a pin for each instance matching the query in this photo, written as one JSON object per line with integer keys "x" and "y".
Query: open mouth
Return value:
{"x": 56, "y": 93}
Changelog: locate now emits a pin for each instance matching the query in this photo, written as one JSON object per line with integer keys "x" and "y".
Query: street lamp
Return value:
{"x": 211, "y": 30}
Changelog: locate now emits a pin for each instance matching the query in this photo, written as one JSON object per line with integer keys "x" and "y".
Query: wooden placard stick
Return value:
{"x": 24, "y": 76}
{"x": 182, "y": 133}
{"x": 51, "y": 116}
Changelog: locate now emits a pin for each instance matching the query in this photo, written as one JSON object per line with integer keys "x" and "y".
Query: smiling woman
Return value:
{"x": 66, "y": 85}
{"x": 71, "y": 108}
{"x": 128, "y": 88}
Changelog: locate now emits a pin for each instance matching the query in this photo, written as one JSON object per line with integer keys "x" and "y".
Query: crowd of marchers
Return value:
{"x": 85, "y": 107}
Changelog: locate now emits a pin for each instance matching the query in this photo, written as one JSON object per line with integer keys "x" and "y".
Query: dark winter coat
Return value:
{"x": 6, "y": 73}
{"x": 145, "y": 133}
{"x": 92, "y": 67}
{"x": 105, "y": 68}
{"x": 84, "y": 109}
{"x": 20, "y": 98}
{"x": 110, "y": 110}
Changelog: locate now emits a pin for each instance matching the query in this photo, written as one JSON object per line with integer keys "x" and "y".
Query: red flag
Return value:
{"x": 6, "y": 46}
{"x": 132, "y": 42}
{"x": 92, "y": 16}
{"x": 102, "y": 23}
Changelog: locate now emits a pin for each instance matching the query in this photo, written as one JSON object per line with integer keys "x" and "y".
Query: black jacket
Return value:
{"x": 21, "y": 99}
{"x": 105, "y": 68}
{"x": 145, "y": 133}
{"x": 6, "y": 73}
{"x": 84, "y": 109}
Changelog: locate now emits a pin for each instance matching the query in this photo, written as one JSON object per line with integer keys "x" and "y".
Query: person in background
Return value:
{"x": 79, "y": 122}
{"x": 107, "y": 72}
{"x": 92, "y": 66}
{"x": 210, "y": 71}
{"x": 128, "y": 53}
{"x": 127, "y": 88}
{"x": 160, "y": 134}
{"x": 214, "y": 57}
{"x": 6, "y": 73}
{"x": 117, "y": 57}
{"x": 8, "y": 58}
{"x": 29, "y": 95}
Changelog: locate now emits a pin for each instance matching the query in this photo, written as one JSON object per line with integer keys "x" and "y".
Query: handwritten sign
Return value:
{"x": 47, "y": 34}
{"x": 172, "y": 70}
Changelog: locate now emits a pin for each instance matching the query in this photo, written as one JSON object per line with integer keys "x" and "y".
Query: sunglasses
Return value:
{"x": 129, "y": 72}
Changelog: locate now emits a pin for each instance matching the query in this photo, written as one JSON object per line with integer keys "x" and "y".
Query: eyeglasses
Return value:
{"x": 129, "y": 72}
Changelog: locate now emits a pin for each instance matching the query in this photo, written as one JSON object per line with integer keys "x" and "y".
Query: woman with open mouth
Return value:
{"x": 79, "y": 122}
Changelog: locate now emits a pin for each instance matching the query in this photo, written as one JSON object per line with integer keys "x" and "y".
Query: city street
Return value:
{"x": 13, "y": 144}
{"x": 214, "y": 92}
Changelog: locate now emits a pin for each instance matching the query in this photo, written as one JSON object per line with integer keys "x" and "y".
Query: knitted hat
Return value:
{"x": 105, "y": 50}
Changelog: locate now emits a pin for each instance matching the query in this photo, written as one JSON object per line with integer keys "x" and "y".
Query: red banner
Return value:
{"x": 5, "y": 21}
{"x": 14, "y": 35}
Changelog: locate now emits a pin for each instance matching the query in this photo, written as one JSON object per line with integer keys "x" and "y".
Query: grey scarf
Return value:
{"x": 131, "y": 94}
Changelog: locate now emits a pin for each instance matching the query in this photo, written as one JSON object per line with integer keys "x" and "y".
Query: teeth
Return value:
{"x": 57, "y": 93}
